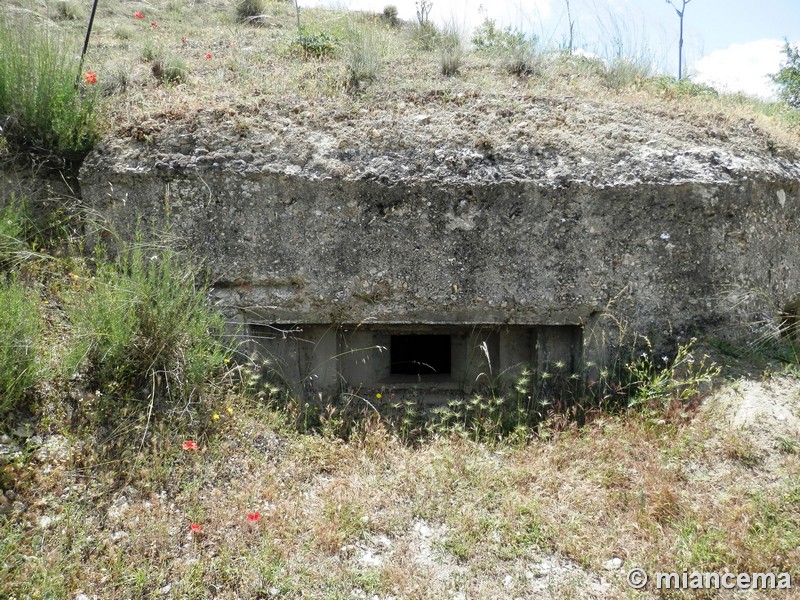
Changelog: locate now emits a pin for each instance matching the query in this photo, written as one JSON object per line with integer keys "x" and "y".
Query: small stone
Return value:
{"x": 45, "y": 522}
{"x": 11, "y": 495}
{"x": 522, "y": 124}
{"x": 508, "y": 580}
{"x": 273, "y": 591}
{"x": 24, "y": 431}
{"x": 422, "y": 119}
{"x": 82, "y": 597}
{"x": 375, "y": 133}
{"x": 614, "y": 564}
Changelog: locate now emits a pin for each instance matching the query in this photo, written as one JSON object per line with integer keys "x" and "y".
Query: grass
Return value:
{"x": 363, "y": 51}
{"x": 377, "y": 515}
{"x": 320, "y": 64}
{"x": 19, "y": 337}
{"x": 143, "y": 328}
{"x": 451, "y": 51}
{"x": 44, "y": 109}
{"x": 248, "y": 11}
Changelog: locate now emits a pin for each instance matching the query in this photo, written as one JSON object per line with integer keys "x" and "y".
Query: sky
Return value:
{"x": 733, "y": 45}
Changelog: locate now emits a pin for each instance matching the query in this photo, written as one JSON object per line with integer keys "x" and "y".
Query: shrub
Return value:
{"x": 247, "y": 11}
{"x": 170, "y": 69}
{"x": 517, "y": 50}
{"x": 671, "y": 87}
{"x": 523, "y": 60}
{"x": 20, "y": 326}
{"x": 655, "y": 382}
{"x": 363, "y": 55}
{"x": 451, "y": 52}
{"x": 123, "y": 33}
{"x": 13, "y": 232}
{"x": 68, "y": 10}
{"x": 491, "y": 40}
{"x": 313, "y": 44}
{"x": 425, "y": 35}
{"x": 625, "y": 72}
{"x": 390, "y": 15}
{"x": 44, "y": 110}
{"x": 144, "y": 328}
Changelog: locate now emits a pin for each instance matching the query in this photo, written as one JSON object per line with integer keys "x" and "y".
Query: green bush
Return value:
{"x": 309, "y": 43}
{"x": 451, "y": 52}
{"x": 248, "y": 10}
{"x": 788, "y": 78}
{"x": 43, "y": 108}
{"x": 144, "y": 328}
{"x": 170, "y": 69}
{"x": 390, "y": 15}
{"x": 20, "y": 326}
{"x": 625, "y": 72}
{"x": 425, "y": 35}
{"x": 523, "y": 60}
{"x": 363, "y": 54}
{"x": 655, "y": 382}
{"x": 517, "y": 50}
{"x": 489, "y": 39}
{"x": 670, "y": 87}
{"x": 13, "y": 233}
{"x": 68, "y": 10}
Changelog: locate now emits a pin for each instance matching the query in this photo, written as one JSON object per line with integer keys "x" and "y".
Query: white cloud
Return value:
{"x": 742, "y": 68}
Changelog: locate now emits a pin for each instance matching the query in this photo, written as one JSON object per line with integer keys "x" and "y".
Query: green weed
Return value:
{"x": 20, "y": 328}
{"x": 247, "y": 11}
{"x": 143, "y": 327}
{"x": 657, "y": 381}
{"x": 363, "y": 54}
{"x": 44, "y": 109}
{"x": 170, "y": 68}
{"x": 69, "y": 10}
{"x": 313, "y": 44}
{"x": 451, "y": 51}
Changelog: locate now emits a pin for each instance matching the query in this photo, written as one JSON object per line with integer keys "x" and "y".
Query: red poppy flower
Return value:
{"x": 153, "y": 24}
{"x": 195, "y": 528}
{"x": 138, "y": 15}
{"x": 208, "y": 55}
{"x": 190, "y": 445}
{"x": 254, "y": 517}
{"x": 90, "y": 77}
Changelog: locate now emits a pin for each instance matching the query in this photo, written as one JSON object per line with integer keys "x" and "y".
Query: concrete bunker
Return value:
{"x": 437, "y": 361}
{"x": 433, "y": 269}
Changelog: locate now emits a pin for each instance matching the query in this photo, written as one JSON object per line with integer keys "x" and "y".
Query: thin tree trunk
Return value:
{"x": 680, "y": 46}
{"x": 571, "y": 28}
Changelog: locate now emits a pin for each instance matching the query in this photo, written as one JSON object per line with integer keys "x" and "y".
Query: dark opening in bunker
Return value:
{"x": 420, "y": 355}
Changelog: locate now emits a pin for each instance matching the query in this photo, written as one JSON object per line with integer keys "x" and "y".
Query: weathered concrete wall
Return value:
{"x": 332, "y": 251}
{"x": 286, "y": 248}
